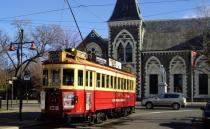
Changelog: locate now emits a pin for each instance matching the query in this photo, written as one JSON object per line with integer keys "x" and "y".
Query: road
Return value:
{"x": 160, "y": 118}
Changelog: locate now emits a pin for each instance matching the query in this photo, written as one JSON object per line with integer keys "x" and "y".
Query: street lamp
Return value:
{"x": 20, "y": 57}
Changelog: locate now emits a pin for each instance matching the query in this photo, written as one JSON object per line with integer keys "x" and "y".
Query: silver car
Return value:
{"x": 174, "y": 100}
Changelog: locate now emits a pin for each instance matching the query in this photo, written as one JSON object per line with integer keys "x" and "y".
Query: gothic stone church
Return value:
{"x": 146, "y": 45}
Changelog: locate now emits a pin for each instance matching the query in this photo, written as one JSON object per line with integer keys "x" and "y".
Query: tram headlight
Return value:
{"x": 68, "y": 100}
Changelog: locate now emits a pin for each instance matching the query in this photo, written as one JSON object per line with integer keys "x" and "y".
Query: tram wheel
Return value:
{"x": 91, "y": 119}
{"x": 99, "y": 118}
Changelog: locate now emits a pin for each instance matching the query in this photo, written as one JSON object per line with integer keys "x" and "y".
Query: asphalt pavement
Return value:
{"x": 9, "y": 119}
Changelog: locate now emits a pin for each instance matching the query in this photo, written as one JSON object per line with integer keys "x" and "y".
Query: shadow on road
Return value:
{"x": 12, "y": 119}
{"x": 177, "y": 125}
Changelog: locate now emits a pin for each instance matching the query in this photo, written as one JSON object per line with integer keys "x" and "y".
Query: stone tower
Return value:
{"x": 126, "y": 32}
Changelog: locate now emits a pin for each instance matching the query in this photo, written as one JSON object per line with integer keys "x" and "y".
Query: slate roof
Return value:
{"x": 182, "y": 34}
{"x": 126, "y": 10}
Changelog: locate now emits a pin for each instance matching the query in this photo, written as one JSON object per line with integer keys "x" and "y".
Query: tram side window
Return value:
{"x": 122, "y": 83}
{"x": 111, "y": 82}
{"x": 103, "y": 81}
{"x": 45, "y": 77}
{"x": 131, "y": 85}
{"x": 127, "y": 84}
{"x": 98, "y": 80}
{"x": 55, "y": 77}
{"x": 115, "y": 82}
{"x": 91, "y": 78}
{"x": 119, "y": 83}
{"x": 107, "y": 81}
{"x": 86, "y": 78}
{"x": 68, "y": 77}
{"x": 124, "y": 87}
{"x": 80, "y": 77}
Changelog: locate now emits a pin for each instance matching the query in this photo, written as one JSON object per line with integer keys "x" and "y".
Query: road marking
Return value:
{"x": 150, "y": 113}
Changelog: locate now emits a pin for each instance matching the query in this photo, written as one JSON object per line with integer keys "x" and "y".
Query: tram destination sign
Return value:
{"x": 115, "y": 64}
{"x": 101, "y": 60}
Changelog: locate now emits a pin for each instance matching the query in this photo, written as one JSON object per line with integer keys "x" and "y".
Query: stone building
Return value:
{"x": 146, "y": 45}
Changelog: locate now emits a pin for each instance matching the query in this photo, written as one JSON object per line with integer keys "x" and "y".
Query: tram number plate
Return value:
{"x": 54, "y": 108}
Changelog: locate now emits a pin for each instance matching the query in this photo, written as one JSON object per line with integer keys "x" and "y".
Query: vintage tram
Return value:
{"x": 73, "y": 87}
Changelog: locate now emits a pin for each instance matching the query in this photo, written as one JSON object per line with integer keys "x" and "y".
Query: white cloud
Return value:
{"x": 190, "y": 15}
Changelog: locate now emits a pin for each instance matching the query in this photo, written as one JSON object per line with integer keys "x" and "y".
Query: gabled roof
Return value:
{"x": 182, "y": 34}
{"x": 93, "y": 37}
{"x": 126, "y": 10}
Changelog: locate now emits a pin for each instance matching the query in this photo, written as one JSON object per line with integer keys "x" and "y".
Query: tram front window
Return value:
{"x": 68, "y": 77}
{"x": 56, "y": 77}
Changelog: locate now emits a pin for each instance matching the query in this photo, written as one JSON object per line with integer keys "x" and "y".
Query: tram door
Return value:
{"x": 88, "y": 97}
{"x": 89, "y": 90}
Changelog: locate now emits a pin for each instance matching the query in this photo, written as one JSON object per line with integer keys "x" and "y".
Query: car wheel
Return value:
{"x": 149, "y": 105}
{"x": 176, "y": 106}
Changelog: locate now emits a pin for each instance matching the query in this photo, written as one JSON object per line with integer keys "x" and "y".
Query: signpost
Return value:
{"x": 26, "y": 79}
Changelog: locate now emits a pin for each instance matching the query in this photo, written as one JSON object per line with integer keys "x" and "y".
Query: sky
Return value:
{"x": 90, "y": 14}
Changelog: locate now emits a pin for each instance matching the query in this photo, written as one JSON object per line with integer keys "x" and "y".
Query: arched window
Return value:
{"x": 129, "y": 54}
{"x": 120, "y": 53}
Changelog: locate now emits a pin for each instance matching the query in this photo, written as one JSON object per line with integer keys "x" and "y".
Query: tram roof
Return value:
{"x": 89, "y": 63}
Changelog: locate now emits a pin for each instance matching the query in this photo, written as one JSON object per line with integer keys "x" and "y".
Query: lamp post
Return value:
{"x": 20, "y": 58}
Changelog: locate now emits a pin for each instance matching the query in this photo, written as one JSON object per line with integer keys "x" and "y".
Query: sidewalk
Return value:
{"x": 196, "y": 104}
{"x": 17, "y": 101}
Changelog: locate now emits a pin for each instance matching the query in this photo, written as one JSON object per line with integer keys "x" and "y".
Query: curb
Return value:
{"x": 9, "y": 127}
{"x": 189, "y": 105}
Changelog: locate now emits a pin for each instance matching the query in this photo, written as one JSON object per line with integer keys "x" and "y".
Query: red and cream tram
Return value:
{"x": 76, "y": 87}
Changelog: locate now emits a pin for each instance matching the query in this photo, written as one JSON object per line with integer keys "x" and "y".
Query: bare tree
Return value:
{"x": 4, "y": 69}
{"x": 46, "y": 38}
{"x": 49, "y": 37}
{"x": 203, "y": 10}
{"x": 64, "y": 39}
{"x": 36, "y": 74}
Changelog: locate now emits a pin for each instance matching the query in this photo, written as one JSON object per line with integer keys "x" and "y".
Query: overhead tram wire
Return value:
{"x": 74, "y": 19}
{"x": 81, "y": 6}
{"x": 61, "y": 13}
{"x": 58, "y": 21}
{"x": 141, "y": 3}
{"x": 174, "y": 11}
{"x": 90, "y": 11}
{"x": 151, "y": 15}
{"x": 164, "y": 1}
{"x": 35, "y": 13}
